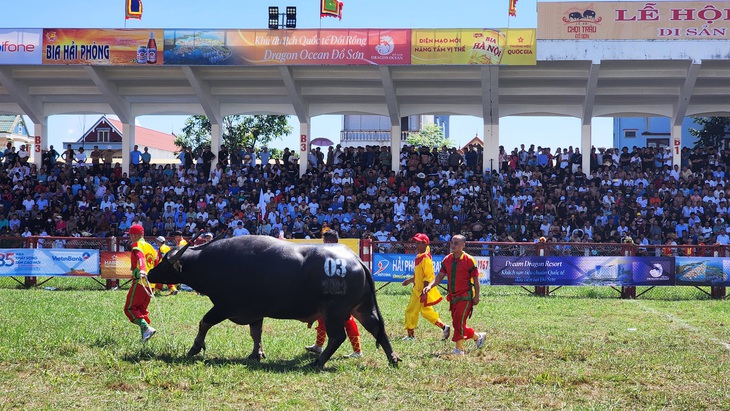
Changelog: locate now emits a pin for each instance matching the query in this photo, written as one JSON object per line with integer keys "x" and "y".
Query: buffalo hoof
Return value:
{"x": 395, "y": 360}
{"x": 195, "y": 350}
{"x": 315, "y": 365}
{"x": 257, "y": 356}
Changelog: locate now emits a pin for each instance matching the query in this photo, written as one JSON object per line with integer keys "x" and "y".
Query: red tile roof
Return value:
{"x": 145, "y": 137}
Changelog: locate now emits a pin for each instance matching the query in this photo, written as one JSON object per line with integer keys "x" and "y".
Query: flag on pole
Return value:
{"x": 262, "y": 204}
{"x": 330, "y": 8}
{"x": 513, "y": 8}
{"x": 133, "y": 9}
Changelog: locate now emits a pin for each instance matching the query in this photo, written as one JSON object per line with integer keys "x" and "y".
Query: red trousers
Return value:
{"x": 137, "y": 301}
{"x": 350, "y": 329}
{"x": 460, "y": 311}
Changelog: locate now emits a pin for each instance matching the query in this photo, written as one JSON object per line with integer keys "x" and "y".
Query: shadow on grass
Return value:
{"x": 302, "y": 362}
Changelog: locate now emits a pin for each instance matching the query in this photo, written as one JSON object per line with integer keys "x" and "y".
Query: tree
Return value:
{"x": 713, "y": 132}
{"x": 430, "y": 136}
{"x": 242, "y": 131}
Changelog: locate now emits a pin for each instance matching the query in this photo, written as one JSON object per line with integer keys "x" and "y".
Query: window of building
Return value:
{"x": 657, "y": 142}
{"x": 102, "y": 135}
{"x": 630, "y": 133}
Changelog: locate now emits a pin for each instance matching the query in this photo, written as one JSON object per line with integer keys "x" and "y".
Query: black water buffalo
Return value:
{"x": 589, "y": 14}
{"x": 251, "y": 277}
{"x": 575, "y": 15}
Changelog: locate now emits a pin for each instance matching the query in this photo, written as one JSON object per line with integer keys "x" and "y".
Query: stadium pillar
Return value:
{"x": 718, "y": 292}
{"x": 628, "y": 292}
{"x": 542, "y": 290}
{"x": 585, "y": 146}
{"x": 40, "y": 142}
{"x": 490, "y": 115}
{"x": 676, "y": 145}
{"x": 128, "y": 130}
{"x": 395, "y": 139}
{"x": 215, "y": 143}
{"x": 303, "y": 147}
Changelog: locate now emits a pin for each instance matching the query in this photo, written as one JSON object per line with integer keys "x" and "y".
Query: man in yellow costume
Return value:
{"x": 423, "y": 275}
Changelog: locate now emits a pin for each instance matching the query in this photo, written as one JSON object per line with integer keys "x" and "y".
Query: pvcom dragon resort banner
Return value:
{"x": 48, "y": 262}
{"x": 616, "y": 271}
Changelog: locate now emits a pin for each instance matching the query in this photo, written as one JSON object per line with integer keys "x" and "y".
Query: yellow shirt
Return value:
{"x": 150, "y": 257}
{"x": 424, "y": 274}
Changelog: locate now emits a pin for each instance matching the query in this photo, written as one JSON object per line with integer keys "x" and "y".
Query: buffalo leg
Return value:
{"x": 211, "y": 318}
{"x": 372, "y": 322}
{"x": 258, "y": 349}
{"x": 335, "y": 337}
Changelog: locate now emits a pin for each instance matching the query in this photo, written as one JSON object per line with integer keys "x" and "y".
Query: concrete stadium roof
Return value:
{"x": 580, "y": 79}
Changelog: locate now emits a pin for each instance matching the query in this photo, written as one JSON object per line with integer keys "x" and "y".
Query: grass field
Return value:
{"x": 74, "y": 348}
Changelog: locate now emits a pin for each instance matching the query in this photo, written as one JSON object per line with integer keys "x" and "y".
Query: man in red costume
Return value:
{"x": 353, "y": 334}
{"x": 462, "y": 276}
{"x": 144, "y": 258}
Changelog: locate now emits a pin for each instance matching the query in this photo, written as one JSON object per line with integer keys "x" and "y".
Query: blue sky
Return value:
{"x": 245, "y": 14}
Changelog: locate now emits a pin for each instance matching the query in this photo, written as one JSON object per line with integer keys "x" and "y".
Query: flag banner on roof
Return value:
{"x": 133, "y": 9}
{"x": 513, "y": 8}
{"x": 330, "y": 8}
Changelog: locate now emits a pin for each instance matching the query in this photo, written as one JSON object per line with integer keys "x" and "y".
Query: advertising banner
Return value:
{"x": 633, "y": 20}
{"x": 20, "y": 46}
{"x": 24, "y": 262}
{"x": 118, "y": 47}
{"x": 352, "y": 243}
{"x": 709, "y": 271}
{"x": 287, "y": 47}
{"x": 615, "y": 271}
{"x": 116, "y": 264}
{"x": 398, "y": 267}
{"x": 474, "y": 46}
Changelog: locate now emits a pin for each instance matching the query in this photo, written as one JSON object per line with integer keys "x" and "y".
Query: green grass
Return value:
{"x": 73, "y": 348}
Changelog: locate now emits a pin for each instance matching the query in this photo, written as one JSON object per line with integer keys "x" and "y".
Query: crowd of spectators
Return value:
{"x": 635, "y": 193}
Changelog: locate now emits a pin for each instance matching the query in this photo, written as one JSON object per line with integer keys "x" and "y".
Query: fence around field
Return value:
{"x": 369, "y": 248}
{"x": 502, "y": 249}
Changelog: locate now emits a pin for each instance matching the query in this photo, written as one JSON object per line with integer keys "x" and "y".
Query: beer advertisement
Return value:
{"x": 474, "y": 46}
{"x": 20, "y": 46}
{"x": 287, "y": 47}
{"x": 114, "y": 47}
{"x": 115, "y": 264}
{"x": 634, "y": 20}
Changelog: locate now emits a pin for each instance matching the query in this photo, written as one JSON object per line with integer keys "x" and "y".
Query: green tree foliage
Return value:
{"x": 713, "y": 131}
{"x": 430, "y": 136}
{"x": 242, "y": 131}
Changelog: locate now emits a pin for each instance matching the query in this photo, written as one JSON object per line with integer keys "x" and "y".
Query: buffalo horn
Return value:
{"x": 173, "y": 259}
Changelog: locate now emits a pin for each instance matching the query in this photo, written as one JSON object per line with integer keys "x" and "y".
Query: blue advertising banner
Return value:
{"x": 21, "y": 46}
{"x": 48, "y": 262}
{"x": 398, "y": 267}
{"x": 616, "y": 271}
{"x": 710, "y": 271}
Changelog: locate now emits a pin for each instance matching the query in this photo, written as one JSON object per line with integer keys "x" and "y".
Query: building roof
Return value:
{"x": 145, "y": 137}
